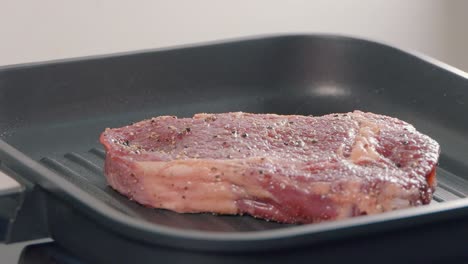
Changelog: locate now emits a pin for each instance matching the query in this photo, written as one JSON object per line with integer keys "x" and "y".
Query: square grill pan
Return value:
{"x": 52, "y": 114}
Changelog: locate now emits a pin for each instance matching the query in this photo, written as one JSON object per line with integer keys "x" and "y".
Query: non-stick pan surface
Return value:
{"x": 51, "y": 115}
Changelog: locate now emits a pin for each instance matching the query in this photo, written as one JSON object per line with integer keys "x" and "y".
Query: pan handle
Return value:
{"x": 20, "y": 207}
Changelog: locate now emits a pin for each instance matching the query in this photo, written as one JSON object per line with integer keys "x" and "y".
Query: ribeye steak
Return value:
{"x": 286, "y": 168}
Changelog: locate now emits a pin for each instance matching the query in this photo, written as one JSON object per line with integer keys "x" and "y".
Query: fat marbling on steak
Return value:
{"x": 286, "y": 168}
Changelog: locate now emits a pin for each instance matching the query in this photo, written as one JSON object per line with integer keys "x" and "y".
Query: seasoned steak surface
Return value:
{"x": 292, "y": 169}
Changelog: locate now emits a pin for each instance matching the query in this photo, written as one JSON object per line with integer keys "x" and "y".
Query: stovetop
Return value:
{"x": 39, "y": 253}
{"x": 51, "y": 253}
{"x": 47, "y": 253}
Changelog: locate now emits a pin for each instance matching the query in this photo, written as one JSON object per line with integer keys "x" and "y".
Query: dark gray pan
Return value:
{"x": 51, "y": 115}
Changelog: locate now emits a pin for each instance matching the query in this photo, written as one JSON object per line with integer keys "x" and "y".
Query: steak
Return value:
{"x": 285, "y": 168}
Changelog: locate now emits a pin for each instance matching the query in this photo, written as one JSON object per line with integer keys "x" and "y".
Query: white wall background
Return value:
{"x": 51, "y": 29}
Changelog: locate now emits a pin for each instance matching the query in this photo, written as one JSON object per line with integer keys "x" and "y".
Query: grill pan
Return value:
{"x": 52, "y": 114}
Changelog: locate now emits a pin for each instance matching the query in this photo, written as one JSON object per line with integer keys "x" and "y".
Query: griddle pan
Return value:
{"x": 52, "y": 114}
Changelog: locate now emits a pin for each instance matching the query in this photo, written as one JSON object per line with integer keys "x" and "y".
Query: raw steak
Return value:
{"x": 286, "y": 168}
